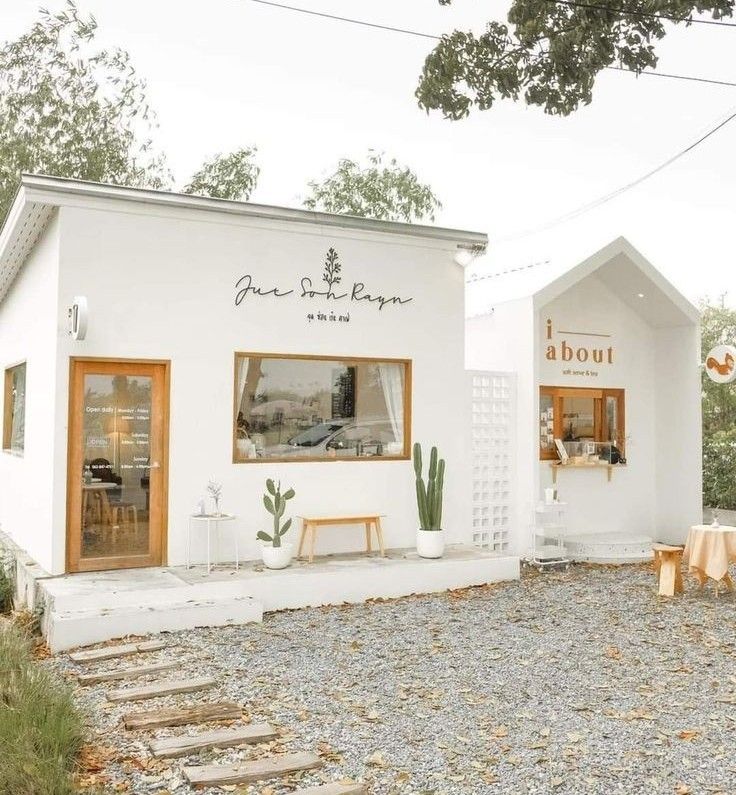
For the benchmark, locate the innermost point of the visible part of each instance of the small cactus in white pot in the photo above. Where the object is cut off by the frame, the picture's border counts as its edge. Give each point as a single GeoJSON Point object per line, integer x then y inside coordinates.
{"type": "Point", "coordinates": [276, 553]}
{"type": "Point", "coordinates": [430, 535]}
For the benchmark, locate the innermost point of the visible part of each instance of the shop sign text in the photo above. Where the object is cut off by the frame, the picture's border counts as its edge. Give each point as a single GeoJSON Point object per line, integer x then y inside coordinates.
{"type": "Point", "coordinates": [329, 288]}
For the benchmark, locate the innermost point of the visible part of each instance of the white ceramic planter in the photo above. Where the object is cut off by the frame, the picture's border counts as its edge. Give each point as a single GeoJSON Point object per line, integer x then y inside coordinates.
{"type": "Point", "coordinates": [277, 557]}
{"type": "Point", "coordinates": [430, 543]}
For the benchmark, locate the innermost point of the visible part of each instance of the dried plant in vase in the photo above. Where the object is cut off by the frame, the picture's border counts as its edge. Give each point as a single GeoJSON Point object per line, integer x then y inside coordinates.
{"type": "Point", "coordinates": [214, 489]}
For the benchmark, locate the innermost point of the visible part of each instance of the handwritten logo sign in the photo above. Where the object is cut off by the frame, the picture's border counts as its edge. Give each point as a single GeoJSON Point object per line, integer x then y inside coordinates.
{"type": "Point", "coordinates": [720, 364]}
{"type": "Point", "coordinates": [329, 288]}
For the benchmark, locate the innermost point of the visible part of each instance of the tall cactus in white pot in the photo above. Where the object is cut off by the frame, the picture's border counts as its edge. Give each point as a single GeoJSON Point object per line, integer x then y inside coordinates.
{"type": "Point", "coordinates": [430, 535]}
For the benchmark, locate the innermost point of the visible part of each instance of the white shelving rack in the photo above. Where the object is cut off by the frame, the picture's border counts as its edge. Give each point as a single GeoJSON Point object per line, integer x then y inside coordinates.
{"type": "Point", "coordinates": [548, 528]}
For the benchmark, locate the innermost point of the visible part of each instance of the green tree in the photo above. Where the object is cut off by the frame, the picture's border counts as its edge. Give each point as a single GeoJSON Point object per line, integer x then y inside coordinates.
{"type": "Point", "coordinates": [231, 176]}
{"type": "Point", "coordinates": [70, 110]}
{"type": "Point", "coordinates": [719, 412]}
{"type": "Point", "coordinates": [374, 190]}
{"type": "Point", "coordinates": [551, 52]}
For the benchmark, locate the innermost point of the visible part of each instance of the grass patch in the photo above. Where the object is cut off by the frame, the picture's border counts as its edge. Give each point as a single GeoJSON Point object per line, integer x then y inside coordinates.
{"type": "Point", "coordinates": [6, 588]}
{"type": "Point", "coordinates": [41, 730]}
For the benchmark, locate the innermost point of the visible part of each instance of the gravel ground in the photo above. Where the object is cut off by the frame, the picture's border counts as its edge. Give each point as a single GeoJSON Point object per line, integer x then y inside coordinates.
{"type": "Point", "coordinates": [575, 682]}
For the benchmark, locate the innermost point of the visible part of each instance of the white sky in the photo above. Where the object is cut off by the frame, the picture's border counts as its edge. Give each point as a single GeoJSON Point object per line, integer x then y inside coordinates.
{"type": "Point", "coordinates": [306, 91]}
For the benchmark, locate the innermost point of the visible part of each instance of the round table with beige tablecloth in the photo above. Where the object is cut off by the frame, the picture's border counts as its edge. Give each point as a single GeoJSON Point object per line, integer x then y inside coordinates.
{"type": "Point", "coordinates": [709, 550]}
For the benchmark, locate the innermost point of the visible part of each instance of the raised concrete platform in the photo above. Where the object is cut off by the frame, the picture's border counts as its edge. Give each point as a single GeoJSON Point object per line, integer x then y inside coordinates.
{"type": "Point", "coordinates": [87, 608]}
{"type": "Point", "coordinates": [609, 547]}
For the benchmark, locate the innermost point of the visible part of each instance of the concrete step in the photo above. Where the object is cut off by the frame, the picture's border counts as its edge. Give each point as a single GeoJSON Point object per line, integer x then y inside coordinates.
{"type": "Point", "coordinates": [83, 626]}
{"type": "Point", "coordinates": [609, 547]}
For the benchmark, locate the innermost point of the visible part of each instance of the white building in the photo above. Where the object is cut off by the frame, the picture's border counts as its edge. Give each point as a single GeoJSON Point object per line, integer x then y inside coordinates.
{"type": "Point", "coordinates": [606, 351]}
{"type": "Point", "coordinates": [232, 342]}
{"type": "Point", "coordinates": [151, 342]}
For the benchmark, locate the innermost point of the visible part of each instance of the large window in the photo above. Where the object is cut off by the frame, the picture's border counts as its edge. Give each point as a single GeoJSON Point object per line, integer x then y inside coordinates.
{"type": "Point", "coordinates": [297, 408]}
{"type": "Point", "coordinates": [579, 416]}
{"type": "Point", "coordinates": [14, 409]}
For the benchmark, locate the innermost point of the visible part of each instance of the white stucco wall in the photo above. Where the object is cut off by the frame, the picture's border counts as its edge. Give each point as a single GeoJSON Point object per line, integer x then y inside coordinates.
{"type": "Point", "coordinates": [28, 319]}
{"type": "Point", "coordinates": [628, 502]}
{"type": "Point", "coordinates": [658, 493]}
{"type": "Point", "coordinates": [679, 432]}
{"type": "Point", "coordinates": [160, 285]}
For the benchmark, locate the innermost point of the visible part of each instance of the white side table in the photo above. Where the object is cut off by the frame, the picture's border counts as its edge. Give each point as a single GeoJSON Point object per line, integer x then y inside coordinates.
{"type": "Point", "coordinates": [210, 519]}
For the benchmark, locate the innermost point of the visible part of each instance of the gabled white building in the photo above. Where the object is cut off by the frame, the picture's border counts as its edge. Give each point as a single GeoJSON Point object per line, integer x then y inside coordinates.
{"type": "Point", "coordinates": [605, 351]}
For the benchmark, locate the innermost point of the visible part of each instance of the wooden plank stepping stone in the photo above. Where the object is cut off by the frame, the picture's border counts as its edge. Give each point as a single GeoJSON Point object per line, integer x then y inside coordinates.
{"type": "Point", "coordinates": [247, 772]}
{"type": "Point", "coordinates": [168, 687]}
{"type": "Point", "coordinates": [171, 747]}
{"type": "Point", "coordinates": [126, 673]}
{"type": "Point", "coordinates": [109, 652]}
{"type": "Point", "coordinates": [204, 713]}
{"type": "Point", "coordinates": [333, 789]}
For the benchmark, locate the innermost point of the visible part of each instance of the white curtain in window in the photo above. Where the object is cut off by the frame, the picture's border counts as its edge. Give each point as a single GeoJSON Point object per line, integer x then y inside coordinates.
{"type": "Point", "coordinates": [242, 376]}
{"type": "Point", "coordinates": [392, 383]}
{"type": "Point", "coordinates": [18, 426]}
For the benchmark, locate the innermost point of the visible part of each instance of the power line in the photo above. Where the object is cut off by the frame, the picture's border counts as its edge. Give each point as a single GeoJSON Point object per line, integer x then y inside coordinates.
{"type": "Point", "coordinates": [483, 276]}
{"type": "Point", "coordinates": [347, 19]}
{"type": "Point", "coordinates": [674, 77]}
{"type": "Point", "coordinates": [592, 205]}
{"type": "Point", "coordinates": [407, 32]}
{"type": "Point", "coordinates": [644, 14]}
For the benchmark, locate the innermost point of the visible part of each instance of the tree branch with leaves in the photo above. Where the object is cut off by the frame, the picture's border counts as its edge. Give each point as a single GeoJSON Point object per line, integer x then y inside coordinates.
{"type": "Point", "coordinates": [70, 110]}
{"type": "Point", "coordinates": [550, 53]}
{"type": "Point", "coordinates": [375, 189]}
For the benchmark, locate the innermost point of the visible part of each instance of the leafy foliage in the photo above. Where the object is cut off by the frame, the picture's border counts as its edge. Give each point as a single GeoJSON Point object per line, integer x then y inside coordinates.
{"type": "Point", "coordinates": [275, 504]}
{"type": "Point", "coordinates": [41, 730]}
{"type": "Point", "coordinates": [71, 111]}
{"type": "Point", "coordinates": [719, 412]}
{"type": "Point", "coordinates": [375, 190]}
{"type": "Point", "coordinates": [233, 176]}
{"type": "Point", "coordinates": [6, 586]}
{"type": "Point", "coordinates": [551, 52]}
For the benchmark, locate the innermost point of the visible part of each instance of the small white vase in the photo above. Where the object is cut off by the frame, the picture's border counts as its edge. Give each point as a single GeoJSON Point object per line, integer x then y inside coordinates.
{"type": "Point", "coordinates": [277, 557]}
{"type": "Point", "coordinates": [430, 543]}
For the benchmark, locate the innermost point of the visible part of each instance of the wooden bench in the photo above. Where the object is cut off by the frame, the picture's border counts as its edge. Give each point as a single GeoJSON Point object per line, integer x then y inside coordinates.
{"type": "Point", "coordinates": [667, 565]}
{"type": "Point", "coordinates": [311, 523]}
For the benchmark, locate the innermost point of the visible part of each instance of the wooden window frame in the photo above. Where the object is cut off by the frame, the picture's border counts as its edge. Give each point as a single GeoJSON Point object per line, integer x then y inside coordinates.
{"type": "Point", "coordinates": [404, 456]}
{"type": "Point", "coordinates": [8, 410]}
{"type": "Point", "coordinates": [557, 393]}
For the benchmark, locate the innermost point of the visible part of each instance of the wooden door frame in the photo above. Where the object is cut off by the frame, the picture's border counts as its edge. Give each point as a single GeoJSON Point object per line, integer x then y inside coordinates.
{"type": "Point", "coordinates": [72, 479]}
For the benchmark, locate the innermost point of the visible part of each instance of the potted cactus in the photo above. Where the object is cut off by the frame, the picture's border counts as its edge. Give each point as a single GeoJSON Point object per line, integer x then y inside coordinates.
{"type": "Point", "coordinates": [276, 553]}
{"type": "Point", "coordinates": [430, 535]}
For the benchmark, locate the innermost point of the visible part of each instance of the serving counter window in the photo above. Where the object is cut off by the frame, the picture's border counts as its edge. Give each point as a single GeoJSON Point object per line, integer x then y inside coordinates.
{"type": "Point", "coordinates": [14, 409]}
{"type": "Point", "coordinates": [320, 408]}
{"type": "Point", "coordinates": [578, 417]}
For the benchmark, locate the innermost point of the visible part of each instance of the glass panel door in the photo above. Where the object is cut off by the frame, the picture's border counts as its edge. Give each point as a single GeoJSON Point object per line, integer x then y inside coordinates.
{"type": "Point", "coordinates": [117, 465]}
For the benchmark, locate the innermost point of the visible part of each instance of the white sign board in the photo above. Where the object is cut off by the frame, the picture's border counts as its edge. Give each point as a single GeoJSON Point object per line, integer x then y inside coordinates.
{"type": "Point", "coordinates": [720, 364]}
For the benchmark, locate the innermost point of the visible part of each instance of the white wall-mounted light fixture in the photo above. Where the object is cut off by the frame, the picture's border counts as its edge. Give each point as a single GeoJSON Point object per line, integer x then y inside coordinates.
{"type": "Point", "coordinates": [77, 314]}
{"type": "Point", "coordinates": [467, 254]}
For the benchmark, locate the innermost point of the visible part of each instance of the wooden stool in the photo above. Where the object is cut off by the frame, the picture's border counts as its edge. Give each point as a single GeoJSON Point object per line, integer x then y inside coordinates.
{"type": "Point", "coordinates": [667, 565]}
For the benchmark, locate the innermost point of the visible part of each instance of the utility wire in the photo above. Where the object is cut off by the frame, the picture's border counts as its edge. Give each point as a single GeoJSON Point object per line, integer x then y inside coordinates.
{"type": "Point", "coordinates": [408, 32]}
{"type": "Point", "coordinates": [630, 12]}
{"type": "Point", "coordinates": [592, 205]}
{"type": "Point", "coordinates": [585, 207]}
{"type": "Point", "coordinates": [347, 19]}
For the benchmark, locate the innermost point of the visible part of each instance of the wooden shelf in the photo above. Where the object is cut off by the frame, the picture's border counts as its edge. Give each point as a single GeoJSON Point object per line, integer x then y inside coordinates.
{"type": "Point", "coordinates": [607, 467]}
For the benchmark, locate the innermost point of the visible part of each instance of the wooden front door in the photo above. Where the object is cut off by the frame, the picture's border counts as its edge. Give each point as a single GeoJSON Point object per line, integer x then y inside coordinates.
{"type": "Point", "coordinates": [117, 478]}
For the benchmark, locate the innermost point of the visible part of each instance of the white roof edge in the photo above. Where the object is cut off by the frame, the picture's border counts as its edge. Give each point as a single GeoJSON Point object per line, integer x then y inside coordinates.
{"type": "Point", "coordinates": [52, 190]}
{"type": "Point", "coordinates": [595, 261]}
